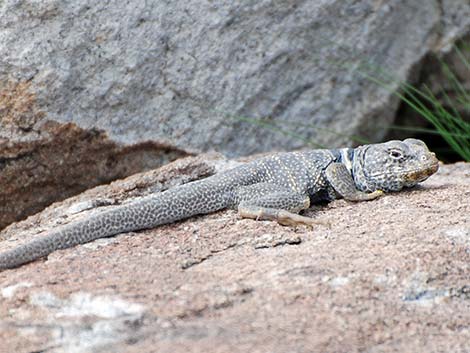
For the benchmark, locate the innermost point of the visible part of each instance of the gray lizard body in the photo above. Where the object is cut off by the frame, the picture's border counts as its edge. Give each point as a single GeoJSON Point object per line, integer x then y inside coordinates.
{"type": "Point", "coordinates": [276, 187]}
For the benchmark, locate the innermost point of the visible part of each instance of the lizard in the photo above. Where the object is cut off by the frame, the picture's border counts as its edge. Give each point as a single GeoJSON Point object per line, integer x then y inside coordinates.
{"type": "Point", "coordinates": [276, 187]}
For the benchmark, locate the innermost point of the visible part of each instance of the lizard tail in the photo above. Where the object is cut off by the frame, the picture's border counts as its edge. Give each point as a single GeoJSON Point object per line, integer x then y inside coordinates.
{"type": "Point", "coordinates": [200, 197]}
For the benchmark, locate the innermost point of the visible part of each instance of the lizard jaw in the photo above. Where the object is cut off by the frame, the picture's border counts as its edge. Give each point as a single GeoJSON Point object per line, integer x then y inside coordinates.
{"type": "Point", "coordinates": [423, 174]}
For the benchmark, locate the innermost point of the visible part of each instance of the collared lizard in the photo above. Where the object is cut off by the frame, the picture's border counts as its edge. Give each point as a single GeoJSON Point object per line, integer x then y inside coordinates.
{"type": "Point", "coordinates": [276, 187]}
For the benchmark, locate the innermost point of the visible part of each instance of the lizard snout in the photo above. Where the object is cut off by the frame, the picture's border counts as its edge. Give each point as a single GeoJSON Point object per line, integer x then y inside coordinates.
{"type": "Point", "coordinates": [430, 167]}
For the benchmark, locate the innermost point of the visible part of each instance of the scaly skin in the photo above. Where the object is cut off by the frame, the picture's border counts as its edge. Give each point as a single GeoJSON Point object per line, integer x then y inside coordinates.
{"type": "Point", "coordinates": [275, 188]}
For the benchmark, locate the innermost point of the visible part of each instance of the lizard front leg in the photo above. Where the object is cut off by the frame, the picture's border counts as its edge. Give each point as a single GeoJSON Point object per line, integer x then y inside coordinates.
{"type": "Point", "coordinates": [341, 180]}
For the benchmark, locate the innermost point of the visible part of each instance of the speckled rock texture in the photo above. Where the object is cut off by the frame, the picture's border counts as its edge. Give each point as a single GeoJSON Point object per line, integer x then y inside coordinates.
{"type": "Point", "coordinates": [160, 77]}
{"type": "Point", "coordinates": [389, 275]}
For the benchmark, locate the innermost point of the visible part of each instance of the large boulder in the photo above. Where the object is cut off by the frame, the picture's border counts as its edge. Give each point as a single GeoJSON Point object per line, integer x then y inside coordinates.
{"type": "Point", "coordinates": [186, 75]}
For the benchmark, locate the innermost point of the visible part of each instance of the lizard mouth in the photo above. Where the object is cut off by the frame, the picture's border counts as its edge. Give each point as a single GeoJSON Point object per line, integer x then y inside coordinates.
{"type": "Point", "coordinates": [423, 174]}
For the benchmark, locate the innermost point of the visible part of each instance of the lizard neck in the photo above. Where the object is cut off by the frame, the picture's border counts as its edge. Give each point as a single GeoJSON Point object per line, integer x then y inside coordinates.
{"type": "Point", "coordinates": [359, 170]}
{"type": "Point", "coordinates": [346, 156]}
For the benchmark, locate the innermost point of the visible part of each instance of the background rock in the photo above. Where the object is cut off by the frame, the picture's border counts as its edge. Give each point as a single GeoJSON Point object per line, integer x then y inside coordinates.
{"type": "Point", "coordinates": [390, 275]}
{"type": "Point", "coordinates": [173, 73]}
{"type": "Point", "coordinates": [42, 161]}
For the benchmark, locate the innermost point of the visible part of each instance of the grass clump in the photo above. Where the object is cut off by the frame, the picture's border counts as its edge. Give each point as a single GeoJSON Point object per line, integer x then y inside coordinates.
{"type": "Point", "coordinates": [446, 114]}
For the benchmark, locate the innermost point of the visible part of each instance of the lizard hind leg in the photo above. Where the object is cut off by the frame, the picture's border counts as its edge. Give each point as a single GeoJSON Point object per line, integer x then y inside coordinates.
{"type": "Point", "coordinates": [262, 202]}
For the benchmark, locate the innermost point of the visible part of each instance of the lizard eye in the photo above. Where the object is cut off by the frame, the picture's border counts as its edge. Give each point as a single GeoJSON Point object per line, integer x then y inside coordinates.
{"type": "Point", "coordinates": [395, 154]}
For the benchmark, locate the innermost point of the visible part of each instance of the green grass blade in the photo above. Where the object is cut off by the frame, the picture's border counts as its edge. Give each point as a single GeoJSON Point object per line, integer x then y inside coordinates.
{"type": "Point", "coordinates": [462, 57]}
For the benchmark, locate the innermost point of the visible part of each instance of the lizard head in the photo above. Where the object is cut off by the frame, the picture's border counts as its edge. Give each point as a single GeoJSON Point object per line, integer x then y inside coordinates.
{"type": "Point", "coordinates": [393, 165]}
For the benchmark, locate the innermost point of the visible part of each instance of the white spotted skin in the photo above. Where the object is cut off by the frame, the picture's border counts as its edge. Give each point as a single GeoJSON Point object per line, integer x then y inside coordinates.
{"type": "Point", "coordinates": [298, 172]}
{"type": "Point", "coordinates": [287, 181]}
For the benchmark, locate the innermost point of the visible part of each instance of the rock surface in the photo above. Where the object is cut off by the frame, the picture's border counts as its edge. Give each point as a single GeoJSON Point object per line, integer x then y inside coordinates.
{"type": "Point", "coordinates": [390, 275]}
{"type": "Point", "coordinates": [142, 79]}
{"type": "Point", "coordinates": [43, 161]}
